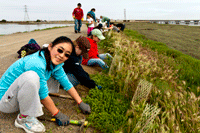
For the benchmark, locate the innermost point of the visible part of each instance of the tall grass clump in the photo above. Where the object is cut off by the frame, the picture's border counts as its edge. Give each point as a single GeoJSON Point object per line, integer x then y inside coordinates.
{"type": "Point", "coordinates": [177, 106]}
{"type": "Point", "coordinates": [187, 66]}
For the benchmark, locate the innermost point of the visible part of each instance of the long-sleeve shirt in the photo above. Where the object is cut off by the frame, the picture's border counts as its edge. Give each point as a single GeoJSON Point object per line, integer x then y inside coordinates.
{"type": "Point", "coordinates": [37, 63]}
{"type": "Point", "coordinates": [93, 52]}
{"type": "Point", "coordinates": [93, 15]}
{"type": "Point", "coordinates": [78, 13]}
{"type": "Point", "coordinates": [73, 66]}
{"type": "Point", "coordinates": [105, 19]}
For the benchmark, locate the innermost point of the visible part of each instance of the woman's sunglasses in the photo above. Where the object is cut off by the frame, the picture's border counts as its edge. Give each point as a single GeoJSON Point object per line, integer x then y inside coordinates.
{"type": "Point", "coordinates": [61, 51]}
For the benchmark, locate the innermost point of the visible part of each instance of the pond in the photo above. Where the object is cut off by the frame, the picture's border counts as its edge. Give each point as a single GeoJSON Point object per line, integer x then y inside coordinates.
{"type": "Point", "coordinates": [13, 28]}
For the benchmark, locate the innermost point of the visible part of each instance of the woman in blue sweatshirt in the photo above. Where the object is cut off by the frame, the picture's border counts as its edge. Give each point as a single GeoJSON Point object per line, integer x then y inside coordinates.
{"type": "Point", "coordinates": [23, 87]}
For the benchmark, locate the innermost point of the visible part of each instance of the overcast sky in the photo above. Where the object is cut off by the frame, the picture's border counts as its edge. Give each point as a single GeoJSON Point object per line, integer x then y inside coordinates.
{"type": "Point", "coordinates": [114, 9]}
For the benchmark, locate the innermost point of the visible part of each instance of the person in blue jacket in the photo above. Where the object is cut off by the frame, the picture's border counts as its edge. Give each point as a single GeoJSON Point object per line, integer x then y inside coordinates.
{"type": "Point", "coordinates": [92, 13]}
{"type": "Point", "coordinates": [23, 87]}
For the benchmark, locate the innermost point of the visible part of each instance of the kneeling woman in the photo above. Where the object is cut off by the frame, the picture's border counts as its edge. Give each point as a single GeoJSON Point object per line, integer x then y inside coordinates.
{"type": "Point", "coordinates": [23, 86]}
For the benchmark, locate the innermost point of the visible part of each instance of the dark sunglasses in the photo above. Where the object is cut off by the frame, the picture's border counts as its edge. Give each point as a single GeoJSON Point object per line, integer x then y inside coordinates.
{"type": "Point", "coordinates": [61, 51]}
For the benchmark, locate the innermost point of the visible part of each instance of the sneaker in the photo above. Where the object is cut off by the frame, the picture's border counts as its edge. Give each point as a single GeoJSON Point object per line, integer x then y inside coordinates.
{"type": "Point", "coordinates": [76, 31]}
{"type": "Point", "coordinates": [79, 32]}
{"type": "Point", "coordinates": [30, 124]}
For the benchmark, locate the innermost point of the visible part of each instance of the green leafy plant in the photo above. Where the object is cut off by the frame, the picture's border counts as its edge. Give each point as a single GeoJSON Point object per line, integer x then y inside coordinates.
{"type": "Point", "coordinates": [108, 109]}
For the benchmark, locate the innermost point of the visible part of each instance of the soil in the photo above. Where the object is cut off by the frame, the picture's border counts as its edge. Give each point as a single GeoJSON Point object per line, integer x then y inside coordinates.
{"type": "Point", "coordinates": [9, 45]}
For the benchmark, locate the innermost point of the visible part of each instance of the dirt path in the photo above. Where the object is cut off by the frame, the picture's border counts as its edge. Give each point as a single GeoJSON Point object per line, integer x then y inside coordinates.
{"type": "Point", "coordinates": [9, 45]}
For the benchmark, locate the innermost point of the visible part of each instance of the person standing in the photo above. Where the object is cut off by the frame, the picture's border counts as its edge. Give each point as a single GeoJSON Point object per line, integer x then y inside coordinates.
{"type": "Point", "coordinates": [90, 22]}
{"type": "Point", "coordinates": [104, 19]}
{"type": "Point", "coordinates": [77, 14]}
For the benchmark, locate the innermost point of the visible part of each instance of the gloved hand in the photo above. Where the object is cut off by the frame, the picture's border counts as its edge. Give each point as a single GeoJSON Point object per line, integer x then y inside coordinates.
{"type": "Point", "coordinates": [73, 17]}
{"type": "Point", "coordinates": [99, 87]}
{"type": "Point", "coordinates": [84, 107]}
{"type": "Point", "coordinates": [61, 119]}
{"type": "Point", "coordinates": [82, 19]}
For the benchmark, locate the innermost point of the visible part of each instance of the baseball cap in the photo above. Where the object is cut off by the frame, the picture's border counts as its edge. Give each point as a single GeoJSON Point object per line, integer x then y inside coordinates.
{"type": "Point", "coordinates": [84, 45]}
{"type": "Point", "coordinates": [98, 33]}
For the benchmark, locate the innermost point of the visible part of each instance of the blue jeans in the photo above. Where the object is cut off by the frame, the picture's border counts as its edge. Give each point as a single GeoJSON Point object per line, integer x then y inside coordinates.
{"type": "Point", "coordinates": [108, 23]}
{"type": "Point", "coordinates": [99, 61]}
{"type": "Point", "coordinates": [72, 79]}
{"type": "Point", "coordinates": [78, 23]}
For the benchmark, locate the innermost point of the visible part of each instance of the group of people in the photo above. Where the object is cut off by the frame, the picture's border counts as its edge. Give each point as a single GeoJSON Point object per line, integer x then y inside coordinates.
{"type": "Point", "coordinates": [24, 85]}
{"type": "Point", "coordinates": [24, 88]}
{"type": "Point", "coordinates": [93, 22]}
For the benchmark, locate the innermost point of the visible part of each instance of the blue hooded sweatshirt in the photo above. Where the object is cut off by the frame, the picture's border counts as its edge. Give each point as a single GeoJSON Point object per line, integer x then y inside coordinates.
{"type": "Point", "coordinates": [37, 63]}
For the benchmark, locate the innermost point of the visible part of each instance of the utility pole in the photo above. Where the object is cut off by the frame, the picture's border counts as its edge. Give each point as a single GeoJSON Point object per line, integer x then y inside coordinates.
{"type": "Point", "coordinates": [125, 15]}
{"type": "Point", "coordinates": [26, 17]}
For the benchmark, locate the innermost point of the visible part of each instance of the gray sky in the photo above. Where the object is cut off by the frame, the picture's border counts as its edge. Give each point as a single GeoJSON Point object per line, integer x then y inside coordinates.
{"type": "Point", "coordinates": [114, 9]}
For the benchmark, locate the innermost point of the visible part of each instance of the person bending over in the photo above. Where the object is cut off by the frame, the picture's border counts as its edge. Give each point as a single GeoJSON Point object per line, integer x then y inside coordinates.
{"type": "Point", "coordinates": [73, 68]}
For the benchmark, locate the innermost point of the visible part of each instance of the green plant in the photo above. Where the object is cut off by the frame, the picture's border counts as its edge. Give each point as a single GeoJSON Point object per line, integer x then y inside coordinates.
{"type": "Point", "coordinates": [188, 67]}
{"type": "Point", "coordinates": [3, 20]}
{"type": "Point", "coordinates": [179, 105]}
{"type": "Point", "coordinates": [108, 109]}
{"type": "Point", "coordinates": [38, 20]}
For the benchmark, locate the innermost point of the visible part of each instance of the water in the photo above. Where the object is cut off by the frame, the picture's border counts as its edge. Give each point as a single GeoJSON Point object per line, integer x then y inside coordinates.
{"type": "Point", "coordinates": [13, 28]}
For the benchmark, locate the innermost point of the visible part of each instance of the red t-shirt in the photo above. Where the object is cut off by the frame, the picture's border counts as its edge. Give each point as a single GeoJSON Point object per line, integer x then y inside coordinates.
{"type": "Point", "coordinates": [93, 52]}
{"type": "Point", "coordinates": [78, 13]}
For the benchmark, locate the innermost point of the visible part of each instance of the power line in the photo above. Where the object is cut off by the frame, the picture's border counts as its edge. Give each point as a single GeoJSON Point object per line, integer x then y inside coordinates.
{"type": "Point", "coordinates": [125, 14]}
{"type": "Point", "coordinates": [26, 17]}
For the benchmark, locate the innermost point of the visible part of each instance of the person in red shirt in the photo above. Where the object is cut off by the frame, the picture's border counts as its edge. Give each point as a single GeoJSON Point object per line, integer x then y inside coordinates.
{"type": "Point", "coordinates": [94, 57]}
{"type": "Point", "coordinates": [77, 14]}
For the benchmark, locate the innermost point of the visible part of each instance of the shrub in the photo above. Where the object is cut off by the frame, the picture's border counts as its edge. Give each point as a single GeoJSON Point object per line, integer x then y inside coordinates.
{"type": "Point", "coordinates": [3, 20]}
{"type": "Point", "coordinates": [38, 20]}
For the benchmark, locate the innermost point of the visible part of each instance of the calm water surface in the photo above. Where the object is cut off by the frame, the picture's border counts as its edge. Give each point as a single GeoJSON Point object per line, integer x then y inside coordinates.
{"type": "Point", "coordinates": [13, 28]}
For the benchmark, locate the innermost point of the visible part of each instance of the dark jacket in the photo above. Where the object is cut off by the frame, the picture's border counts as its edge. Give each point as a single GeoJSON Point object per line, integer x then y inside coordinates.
{"type": "Point", "coordinates": [73, 66]}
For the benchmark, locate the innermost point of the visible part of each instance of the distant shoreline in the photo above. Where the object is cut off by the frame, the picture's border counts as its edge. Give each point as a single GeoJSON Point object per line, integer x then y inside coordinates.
{"type": "Point", "coordinates": [42, 22]}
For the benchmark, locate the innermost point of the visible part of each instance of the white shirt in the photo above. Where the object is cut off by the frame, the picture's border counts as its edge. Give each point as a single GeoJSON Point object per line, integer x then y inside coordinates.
{"type": "Point", "coordinates": [89, 21]}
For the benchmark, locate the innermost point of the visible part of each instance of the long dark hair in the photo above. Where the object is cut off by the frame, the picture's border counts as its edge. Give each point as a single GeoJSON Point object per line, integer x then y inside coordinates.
{"type": "Point", "coordinates": [58, 40]}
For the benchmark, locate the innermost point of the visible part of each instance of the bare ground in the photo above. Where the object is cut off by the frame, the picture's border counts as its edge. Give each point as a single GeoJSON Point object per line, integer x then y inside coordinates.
{"type": "Point", "coordinates": [9, 45]}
